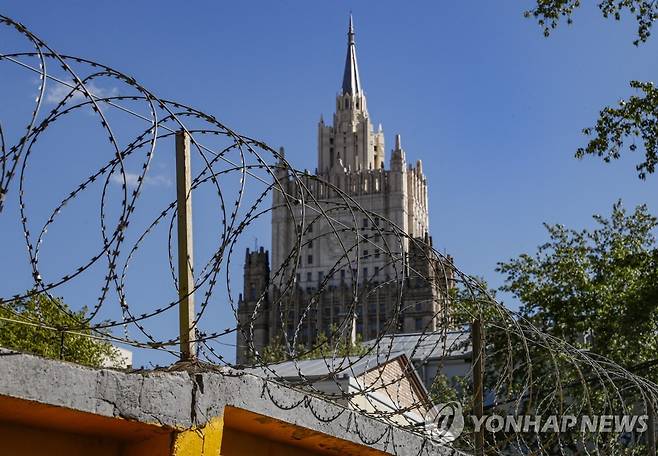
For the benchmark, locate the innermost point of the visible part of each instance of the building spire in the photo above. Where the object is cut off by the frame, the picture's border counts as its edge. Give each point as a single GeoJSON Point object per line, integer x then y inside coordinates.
{"type": "Point", "coordinates": [351, 82]}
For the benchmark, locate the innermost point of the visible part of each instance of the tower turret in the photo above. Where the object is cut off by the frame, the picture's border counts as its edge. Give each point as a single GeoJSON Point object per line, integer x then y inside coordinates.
{"type": "Point", "coordinates": [351, 137]}
{"type": "Point", "coordinates": [253, 305]}
{"type": "Point", "coordinates": [398, 157]}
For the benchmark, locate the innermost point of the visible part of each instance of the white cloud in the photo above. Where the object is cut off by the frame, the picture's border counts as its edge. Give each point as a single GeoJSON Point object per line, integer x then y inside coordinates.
{"type": "Point", "coordinates": [132, 179]}
{"type": "Point", "coordinates": [56, 92]}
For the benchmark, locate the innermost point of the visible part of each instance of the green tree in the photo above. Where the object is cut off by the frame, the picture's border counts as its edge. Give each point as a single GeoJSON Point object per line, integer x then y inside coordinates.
{"type": "Point", "coordinates": [634, 121]}
{"type": "Point", "coordinates": [47, 327]}
{"type": "Point", "coordinates": [589, 291]}
{"type": "Point", "coordinates": [549, 13]}
{"type": "Point", "coordinates": [602, 282]}
{"type": "Point", "coordinates": [323, 347]}
{"type": "Point", "coordinates": [471, 300]}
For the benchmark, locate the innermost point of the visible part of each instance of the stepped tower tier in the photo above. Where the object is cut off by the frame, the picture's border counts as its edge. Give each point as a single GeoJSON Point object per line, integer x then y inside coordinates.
{"type": "Point", "coordinates": [350, 143]}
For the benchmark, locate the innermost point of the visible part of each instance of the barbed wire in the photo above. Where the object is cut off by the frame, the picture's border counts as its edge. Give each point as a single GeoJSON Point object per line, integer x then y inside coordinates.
{"type": "Point", "coordinates": [528, 372]}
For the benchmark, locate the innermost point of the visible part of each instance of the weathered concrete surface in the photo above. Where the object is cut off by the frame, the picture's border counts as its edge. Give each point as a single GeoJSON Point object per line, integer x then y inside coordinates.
{"type": "Point", "coordinates": [161, 398]}
{"type": "Point", "coordinates": [181, 400]}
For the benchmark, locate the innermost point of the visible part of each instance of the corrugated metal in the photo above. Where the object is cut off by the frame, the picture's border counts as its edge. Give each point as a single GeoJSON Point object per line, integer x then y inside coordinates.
{"type": "Point", "coordinates": [426, 346]}
{"type": "Point", "coordinates": [323, 367]}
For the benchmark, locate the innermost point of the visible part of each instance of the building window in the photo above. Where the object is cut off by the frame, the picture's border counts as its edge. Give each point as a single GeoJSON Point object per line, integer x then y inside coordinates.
{"type": "Point", "coordinates": [376, 221]}
{"type": "Point", "coordinates": [309, 259]}
{"type": "Point", "coordinates": [419, 323]}
{"type": "Point", "coordinates": [365, 223]}
{"type": "Point", "coordinates": [331, 140]}
{"type": "Point", "coordinates": [342, 275]}
{"type": "Point", "coordinates": [310, 244]}
{"type": "Point", "coordinates": [377, 253]}
{"type": "Point", "coordinates": [320, 276]}
{"type": "Point", "coordinates": [365, 273]}
{"type": "Point", "coordinates": [376, 270]}
{"type": "Point", "coordinates": [309, 276]}
{"type": "Point", "coordinates": [365, 254]}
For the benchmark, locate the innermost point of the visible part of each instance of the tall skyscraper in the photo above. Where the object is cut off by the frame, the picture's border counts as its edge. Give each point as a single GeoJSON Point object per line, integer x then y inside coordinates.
{"type": "Point", "coordinates": [349, 272]}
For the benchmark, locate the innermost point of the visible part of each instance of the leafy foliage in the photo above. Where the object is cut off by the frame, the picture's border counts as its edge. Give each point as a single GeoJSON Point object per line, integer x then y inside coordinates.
{"type": "Point", "coordinates": [549, 13]}
{"type": "Point", "coordinates": [454, 389]}
{"type": "Point", "coordinates": [595, 290]}
{"type": "Point", "coordinates": [43, 331]}
{"type": "Point", "coordinates": [323, 347]}
{"type": "Point", "coordinates": [471, 301]}
{"type": "Point", "coordinates": [602, 283]}
{"type": "Point", "coordinates": [636, 117]}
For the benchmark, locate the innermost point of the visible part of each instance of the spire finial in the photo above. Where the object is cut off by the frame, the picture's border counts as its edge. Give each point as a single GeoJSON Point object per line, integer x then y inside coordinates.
{"type": "Point", "coordinates": [350, 31]}
{"type": "Point", "coordinates": [398, 143]}
{"type": "Point", "coordinates": [351, 82]}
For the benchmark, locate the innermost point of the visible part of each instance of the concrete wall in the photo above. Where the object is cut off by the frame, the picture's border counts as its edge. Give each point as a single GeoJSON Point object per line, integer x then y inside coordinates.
{"type": "Point", "coordinates": [54, 408]}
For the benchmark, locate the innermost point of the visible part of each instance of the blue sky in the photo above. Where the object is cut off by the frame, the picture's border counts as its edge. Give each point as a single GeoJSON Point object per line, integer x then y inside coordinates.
{"type": "Point", "coordinates": [492, 107]}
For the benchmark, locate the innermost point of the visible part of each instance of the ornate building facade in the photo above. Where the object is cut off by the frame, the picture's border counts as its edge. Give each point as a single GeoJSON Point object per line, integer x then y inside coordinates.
{"type": "Point", "coordinates": [351, 272]}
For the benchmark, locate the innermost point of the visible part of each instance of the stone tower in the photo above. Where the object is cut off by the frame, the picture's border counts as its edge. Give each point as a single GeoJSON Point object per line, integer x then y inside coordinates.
{"type": "Point", "coordinates": [254, 301]}
{"type": "Point", "coordinates": [351, 158]}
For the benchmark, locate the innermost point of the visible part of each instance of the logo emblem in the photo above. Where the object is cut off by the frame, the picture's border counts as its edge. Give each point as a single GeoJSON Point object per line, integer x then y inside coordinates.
{"type": "Point", "coordinates": [445, 422]}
